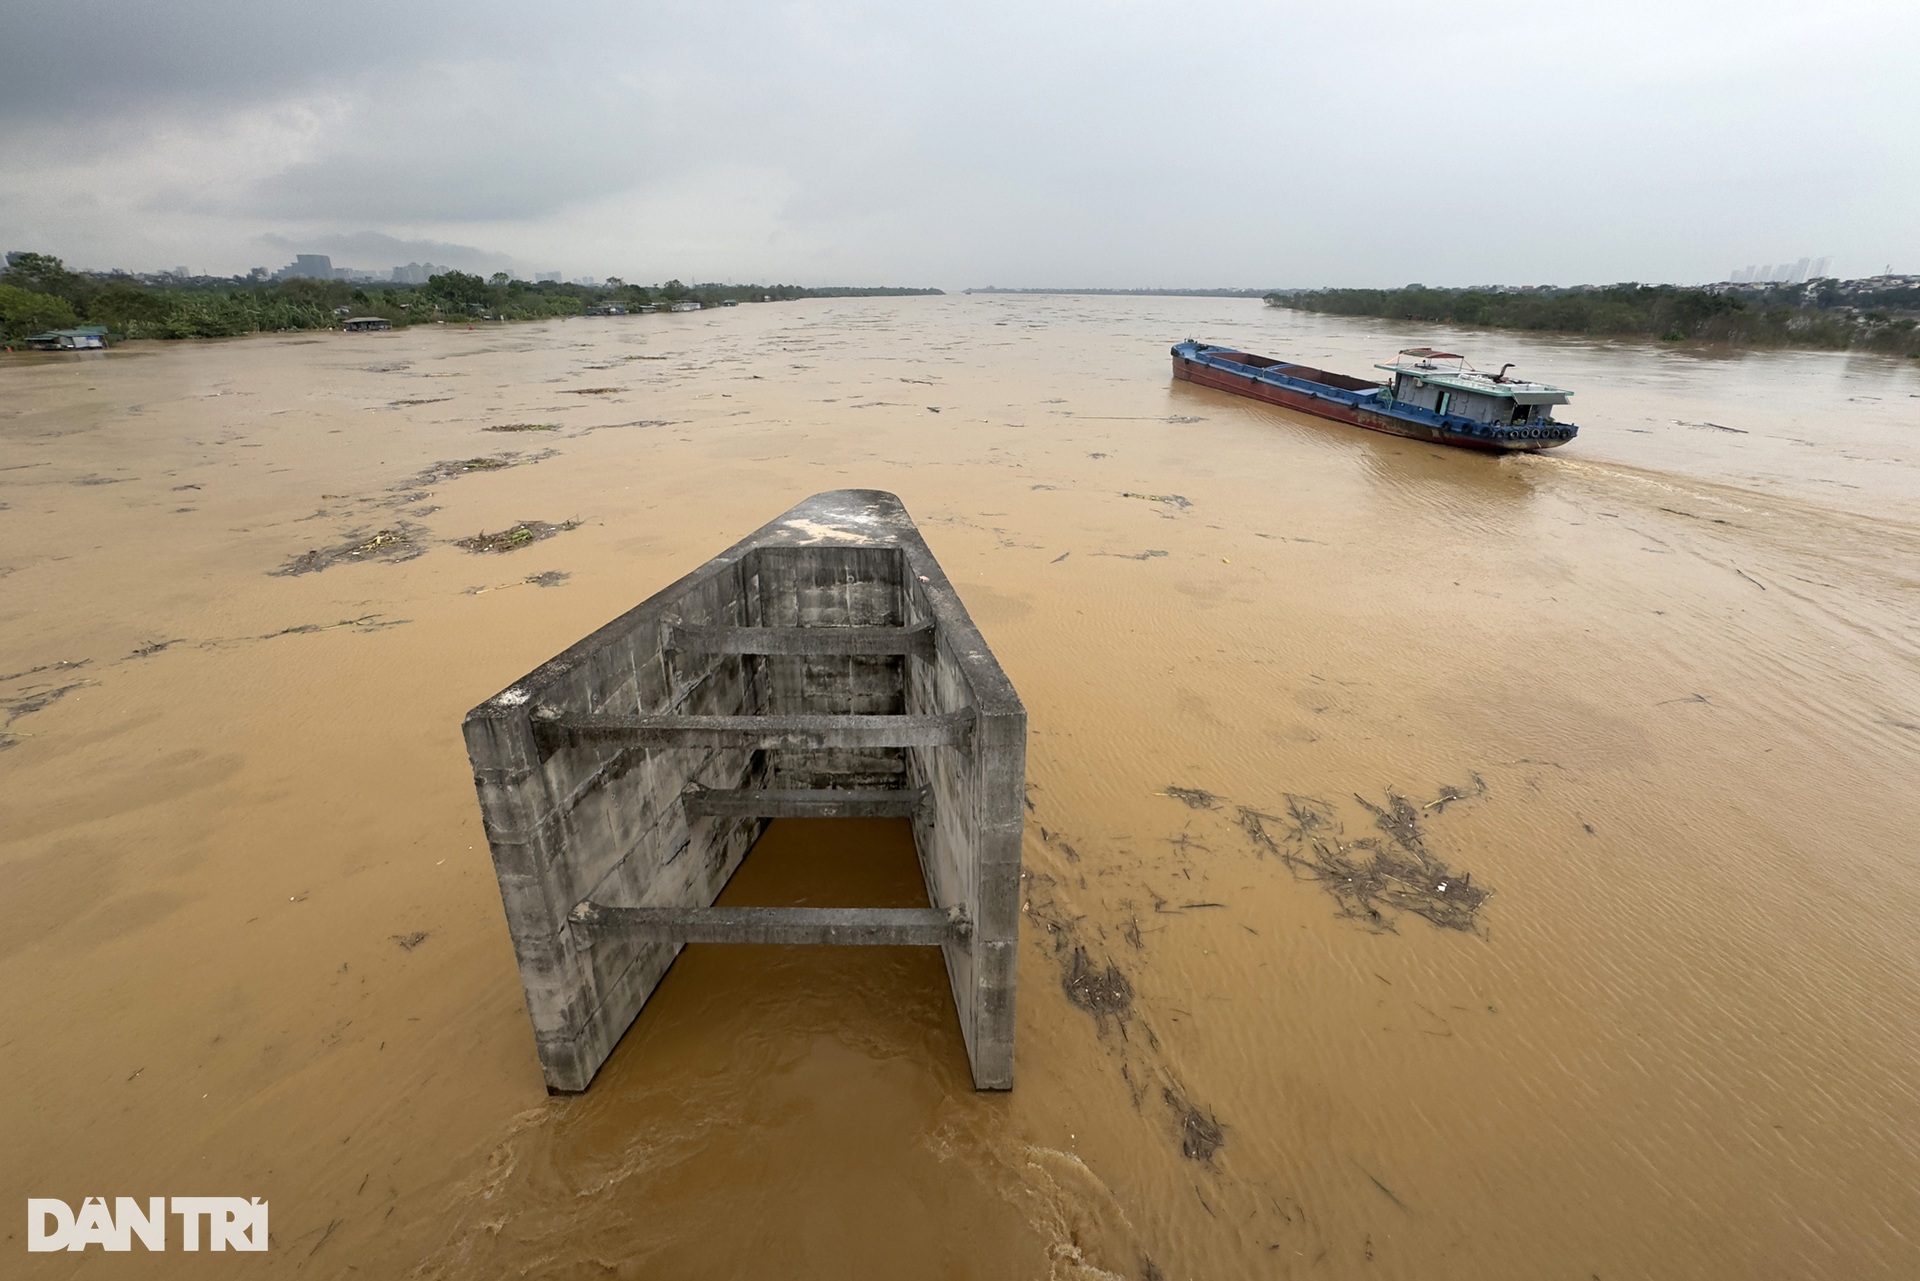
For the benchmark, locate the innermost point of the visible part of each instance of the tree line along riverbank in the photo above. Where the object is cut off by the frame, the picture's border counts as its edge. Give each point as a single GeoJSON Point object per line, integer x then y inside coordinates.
{"type": "Point", "coordinates": [1880, 314]}
{"type": "Point", "coordinates": [38, 292]}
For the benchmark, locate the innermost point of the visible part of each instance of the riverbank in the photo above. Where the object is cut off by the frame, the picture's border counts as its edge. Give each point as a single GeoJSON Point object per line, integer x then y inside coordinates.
{"type": "Point", "coordinates": [1825, 315]}
{"type": "Point", "coordinates": [38, 293]}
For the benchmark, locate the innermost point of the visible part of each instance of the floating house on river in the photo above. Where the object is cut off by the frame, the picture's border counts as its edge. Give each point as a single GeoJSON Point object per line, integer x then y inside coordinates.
{"type": "Point", "coordinates": [82, 338]}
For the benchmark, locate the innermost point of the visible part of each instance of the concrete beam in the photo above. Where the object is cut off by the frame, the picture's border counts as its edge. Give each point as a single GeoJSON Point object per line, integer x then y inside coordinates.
{"type": "Point", "coordinates": [949, 729]}
{"type": "Point", "coordinates": [828, 802]}
{"type": "Point", "coordinates": [868, 926]}
{"type": "Point", "coordinates": [823, 640]}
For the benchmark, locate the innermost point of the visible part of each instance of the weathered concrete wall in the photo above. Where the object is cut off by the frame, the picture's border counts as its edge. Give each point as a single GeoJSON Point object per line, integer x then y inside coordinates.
{"type": "Point", "coordinates": [573, 819]}
{"type": "Point", "coordinates": [969, 835]}
{"type": "Point", "coordinates": [569, 822]}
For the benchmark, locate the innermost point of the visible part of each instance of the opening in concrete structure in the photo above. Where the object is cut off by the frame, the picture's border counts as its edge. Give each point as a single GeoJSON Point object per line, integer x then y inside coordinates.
{"type": "Point", "coordinates": [822, 667]}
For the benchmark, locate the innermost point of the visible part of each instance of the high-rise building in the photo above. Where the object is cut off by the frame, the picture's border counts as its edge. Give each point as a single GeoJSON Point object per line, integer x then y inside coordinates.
{"type": "Point", "coordinates": [307, 267]}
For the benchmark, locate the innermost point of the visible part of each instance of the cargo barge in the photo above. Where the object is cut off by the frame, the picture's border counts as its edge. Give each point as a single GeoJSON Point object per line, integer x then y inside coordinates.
{"type": "Point", "coordinates": [1424, 399]}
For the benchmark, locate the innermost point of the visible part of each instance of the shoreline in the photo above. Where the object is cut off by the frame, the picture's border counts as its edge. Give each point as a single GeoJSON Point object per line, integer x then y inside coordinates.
{"type": "Point", "coordinates": [1878, 315]}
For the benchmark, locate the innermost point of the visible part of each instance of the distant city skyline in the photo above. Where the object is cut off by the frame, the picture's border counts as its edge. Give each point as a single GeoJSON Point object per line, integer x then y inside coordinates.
{"type": "Point", "coordinates": [1782, 273]}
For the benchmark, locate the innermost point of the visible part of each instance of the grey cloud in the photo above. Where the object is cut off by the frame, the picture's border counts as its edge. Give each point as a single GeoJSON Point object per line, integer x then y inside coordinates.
{"type": "Point", "coordinates": [79, 61]}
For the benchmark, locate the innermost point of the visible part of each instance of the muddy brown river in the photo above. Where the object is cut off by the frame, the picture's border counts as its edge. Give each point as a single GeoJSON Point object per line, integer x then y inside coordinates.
{"type": "Point", "coordinates": [1649, 706]}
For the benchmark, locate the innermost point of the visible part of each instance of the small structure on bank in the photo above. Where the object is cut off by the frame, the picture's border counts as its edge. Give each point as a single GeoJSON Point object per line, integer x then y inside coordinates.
{"type": "Point", "coordinates": [822, 667]}
{"type": "Point", "coordinates": [82, 338]}
{"type": "Point", "coordinates": [366, 324]}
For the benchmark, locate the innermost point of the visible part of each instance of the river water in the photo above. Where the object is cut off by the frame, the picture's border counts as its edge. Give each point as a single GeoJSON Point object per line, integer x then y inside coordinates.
{"type": "Point", "coordinates": [1657, 695]}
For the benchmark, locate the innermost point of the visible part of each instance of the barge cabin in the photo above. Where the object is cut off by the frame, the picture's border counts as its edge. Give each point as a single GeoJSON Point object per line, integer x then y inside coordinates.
{"type": "Point", "coordinates": [1419, 379]}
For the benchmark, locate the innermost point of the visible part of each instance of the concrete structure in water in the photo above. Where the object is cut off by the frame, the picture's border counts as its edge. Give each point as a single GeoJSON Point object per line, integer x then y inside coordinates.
{"type": "Point", "coordinates": [822, 667]}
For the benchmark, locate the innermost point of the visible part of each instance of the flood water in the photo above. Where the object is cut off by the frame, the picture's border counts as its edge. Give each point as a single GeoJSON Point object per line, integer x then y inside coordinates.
{"type": "Point", "coordinates": [1657, 695]}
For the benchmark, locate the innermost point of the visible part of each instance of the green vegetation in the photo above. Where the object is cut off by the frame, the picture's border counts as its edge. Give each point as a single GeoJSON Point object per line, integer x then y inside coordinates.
{"type": "Point", "coordinates": [1830, 314]}
{"type": "Point", "coordinates": [38, 292]}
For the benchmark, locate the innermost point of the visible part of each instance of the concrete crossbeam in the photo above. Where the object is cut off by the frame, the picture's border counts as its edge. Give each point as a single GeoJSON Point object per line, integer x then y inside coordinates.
{"type": "Point", "coordinates": [804, 731]}
{"type": "Point", "coordinates": [842, 926]}
{"type": "Point", "coordinates": [917, 639]}
{"type": "Point", "coordinates": [802, 802]}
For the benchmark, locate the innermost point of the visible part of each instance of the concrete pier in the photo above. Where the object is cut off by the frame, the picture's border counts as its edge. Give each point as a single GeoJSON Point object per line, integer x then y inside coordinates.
{"type": "Point", "coordinates": [821, 667]}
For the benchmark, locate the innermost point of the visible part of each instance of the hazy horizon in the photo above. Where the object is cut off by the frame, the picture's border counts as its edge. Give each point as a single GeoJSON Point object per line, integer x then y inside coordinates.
{"type": "Point", "coordinates": [1051, 145]}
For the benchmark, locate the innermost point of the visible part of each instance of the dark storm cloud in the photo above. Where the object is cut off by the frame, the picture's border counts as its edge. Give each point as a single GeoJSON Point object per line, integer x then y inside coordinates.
{"type": "Point", "coordinates": [76, 60]}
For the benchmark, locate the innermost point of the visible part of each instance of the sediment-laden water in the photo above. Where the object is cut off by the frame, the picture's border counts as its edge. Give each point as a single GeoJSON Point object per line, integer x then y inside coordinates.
{"type": "Point", "coordinates": [1438, 866]}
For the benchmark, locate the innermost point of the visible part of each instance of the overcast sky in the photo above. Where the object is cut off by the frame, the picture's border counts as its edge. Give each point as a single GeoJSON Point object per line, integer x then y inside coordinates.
{"type": "Point", "coordinates": [1013, 143]}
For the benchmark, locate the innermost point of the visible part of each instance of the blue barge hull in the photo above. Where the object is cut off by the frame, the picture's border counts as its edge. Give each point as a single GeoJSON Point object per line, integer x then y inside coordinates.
{"type": "Point", "coordinates": [1357, 401]}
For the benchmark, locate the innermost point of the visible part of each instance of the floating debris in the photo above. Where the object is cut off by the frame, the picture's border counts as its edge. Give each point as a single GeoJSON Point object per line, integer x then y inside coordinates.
{"type": "Point", "coordinates": [400, 543]}
{"type": "Point", "coordinates": [524, 427]}
{"type": "Point", "coordinates": [524, 534]}
{"type": "Point", "coordinates": [1194, 798]}
{"type": "Point", "coordinates": [1254, 824]}
{"type": "Point", "coordinates": [1448, 795]}
{"type": "Point", "coordinates": [1098, 992]}
{"type": "Point", "coordinates": [1200, 1132]}
{"type": "Point", "coordinates": [408, 942]}
{"type": "Point", "coordinates": [1172, 500]}
{"type": "Point", "coordinates": [546, 578]}
{"type": "Point", "coordinates": [1399, 874]}
{"type": "Point", "coordinates": [39, 702]}
{"type": "Point", "coordinates": [450, 469]}
{"type": "Point", "coordinates": [592, 391]}
{"type": "Point", "coordinates": [364, 623]}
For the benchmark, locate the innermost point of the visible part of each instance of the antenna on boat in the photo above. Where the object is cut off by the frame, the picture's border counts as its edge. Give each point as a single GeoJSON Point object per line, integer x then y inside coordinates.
{"type": "Point", "coordinates": [1502, 375]}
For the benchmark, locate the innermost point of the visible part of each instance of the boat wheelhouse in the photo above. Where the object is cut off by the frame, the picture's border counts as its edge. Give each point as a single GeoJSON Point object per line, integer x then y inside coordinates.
{"type": "Point", "coordinates": [1427, 398]}
{"type": "Point", "coordinates": [1420, 378]}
